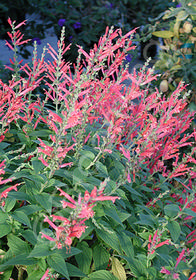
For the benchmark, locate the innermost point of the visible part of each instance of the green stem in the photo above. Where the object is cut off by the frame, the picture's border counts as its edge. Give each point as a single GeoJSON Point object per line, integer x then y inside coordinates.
{"type": "Point", "coordinates": [20, 273]}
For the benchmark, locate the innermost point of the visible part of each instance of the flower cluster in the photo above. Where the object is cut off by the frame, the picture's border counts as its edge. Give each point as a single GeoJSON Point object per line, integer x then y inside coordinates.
{"type": "Point", "coordinates": [74, 225]}
{"type": "Point", "coordinates": [154, 242]}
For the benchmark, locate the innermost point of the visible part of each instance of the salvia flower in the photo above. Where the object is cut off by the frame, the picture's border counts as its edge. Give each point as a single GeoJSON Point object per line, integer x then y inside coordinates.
{"type": "Point", "coordinates": [74, 226]}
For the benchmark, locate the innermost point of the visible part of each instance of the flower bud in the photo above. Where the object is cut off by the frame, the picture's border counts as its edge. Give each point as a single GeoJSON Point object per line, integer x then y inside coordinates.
{"type": "Point", "coordinates": [187, 27]}
{"type": "Point", "coordinates": [163, 86]}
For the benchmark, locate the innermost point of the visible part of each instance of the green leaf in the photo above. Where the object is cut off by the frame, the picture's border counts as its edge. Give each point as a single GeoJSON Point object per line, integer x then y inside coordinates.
{"type": "Point", "coordinates": [101, 257]}
{"type": "Point", "coordinates": [19, 196]}
{"type": "Point", "coordinates": [174, 229]}
{"type": "Point", "coordinates": [74, 271]}
{"type": "Point", "coordinates": [3, 217]}
{"type": "Point", "coordinates": [135, 266]}
{"type": "Point", "coordinates": [21, 259]}
{"type": "Point", "coordinates": [57, 262]}
{"type": "Point", "coordinates": [101, 275]}
{"type": "Point", "coordinates": [109, 238]}
{"type": "Point", "coordinates": [79, 175]}
{"type": "Point", "coordinates": [29, 209]}
{"type": "Point", "coordinates": [111, 212]}
{"type": "Point", "coordinates": [30, 236]}
{"type": "Point", "coordinates": [17, 245]}
{"type": "Point", "coordinates": [101, 169]}
{"type": "Point", "coordinates": [85, 257]}
{"type": "Point", "coordinates": [171, 210]}
{"type": "Point", "coordinates": [37, 165]}
{"type": "Point", "coordinates": [45, 200]}
{"type": "Point", "coordinates": [5, 228]}
{"type": "Point", "coordinates": [118, 269]}
{"type": "Point", "coordinates": [126, 243]}
{"type": "Point", "coordinates": [163, 34]}
{"type": "Point", "coordinates": [41, 250]}
{"type": "Point", "coordinates": [67, 253]}
{"type": "Point", "coordinates": [86, 159]}
{"type": "Point", "coordinates": [21, 217]}
{"type": "Point", "coordinates": [9, 204]}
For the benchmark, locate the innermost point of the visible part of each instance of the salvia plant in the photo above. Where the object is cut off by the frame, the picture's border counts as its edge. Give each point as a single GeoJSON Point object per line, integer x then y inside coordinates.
{"type": "Point", "coordinates": [97, 168]}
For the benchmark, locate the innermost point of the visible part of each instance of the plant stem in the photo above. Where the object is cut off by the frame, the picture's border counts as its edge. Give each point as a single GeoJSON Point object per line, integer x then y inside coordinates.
{"type": "Point", "coordinates": [20, 273]}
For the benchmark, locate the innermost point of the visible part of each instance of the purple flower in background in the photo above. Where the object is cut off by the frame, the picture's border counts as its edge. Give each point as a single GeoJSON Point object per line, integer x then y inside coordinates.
{"type": "Point", "coordinates": [128, 58]}
{"type": "Point", "coordinates": [61, 21]}
{"type": "Point", "coordinates": [109, 5]}
{"type": "Point", "coordinates": [77, 25]}
{"type": "Point", "coordinates": [37, 40]}
{"type": "Point", "coordinates": [179, 5]}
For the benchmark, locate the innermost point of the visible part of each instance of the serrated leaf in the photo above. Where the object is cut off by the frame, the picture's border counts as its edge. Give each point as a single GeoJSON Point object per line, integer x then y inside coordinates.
{"type": "Point", "coordinates": [101, 257]}
{"type": "Point", "coordinates": [19, 196]}
{"type": "Point", "coordinates": [171, 210]}
{"type": "Point", "coordinates": [85, 257]}
{"type": "Point", "coordinates": [111, 212]}
{"type": "Point", "coordinates": [174, 229]}
{"type": "Point", "coordinates": [126, 243]}
{"type": "Point", "coordinates": [101, 275]}
{"type": "Point", "coordinates": [21, 217]}
{"type": "Point", "coordinates": [9, 204]}
{"type": "Point", "coordinates": [74, 271]}
{"type": "Point", "coordinates": [37, 165]}
{"type": "Point", "coordinates": [40, 250]}
{"type": "Point", "coordinates": [163, 34]}
{"type": "Point", "coordinates": [5, 228]}
{"type": "Point", "coordinates": [118, 269]}
{"type": "Point", "coordinates": [57, 262]}
{"type": "Point", "coordinates": [17, 245]}
{"type": "Point", "coordinates": [21, 259]}
{"type": "Point", "coordinates": [29, 209]}
{"type": "Point", "coordinates": [101, 169]}
{"type": "Point", "coordinates": [30, 236]}
{"type": "Point", "coordinates": [109, 238]}
{"type": "Point", "coordinates": [45, 200]}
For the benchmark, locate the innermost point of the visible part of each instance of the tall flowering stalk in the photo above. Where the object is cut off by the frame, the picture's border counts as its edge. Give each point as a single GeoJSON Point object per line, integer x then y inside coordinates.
{"type": "Point", "coordinates": [74, 225]}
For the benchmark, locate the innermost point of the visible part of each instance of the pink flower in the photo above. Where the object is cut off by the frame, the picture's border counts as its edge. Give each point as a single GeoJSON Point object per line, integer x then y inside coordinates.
{"type": "Point", "coordinates": [180, 257]}
{"type": "Point", "coordinates": [46, 276]}
{"type": "Point", "coordinates": [5, 192]}
{"type": "Point", "coordinates": [166, 271]}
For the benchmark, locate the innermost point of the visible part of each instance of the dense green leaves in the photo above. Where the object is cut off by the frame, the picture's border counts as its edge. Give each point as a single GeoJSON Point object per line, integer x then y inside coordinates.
{"type": "Point", "coordinates": [57, 262]}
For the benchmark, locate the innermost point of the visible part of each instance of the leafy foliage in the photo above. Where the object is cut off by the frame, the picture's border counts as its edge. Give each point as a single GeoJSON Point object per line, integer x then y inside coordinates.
{"type": "Point", "coordinates": [94, 182]}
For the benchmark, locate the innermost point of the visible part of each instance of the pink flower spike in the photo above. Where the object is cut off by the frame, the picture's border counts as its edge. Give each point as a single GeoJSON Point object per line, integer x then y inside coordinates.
{"type": "Point", "coordinates": [66, 164]}
{"type": "Point", "coordinates": [175, 276]}
{"type": "Point", "coordinates": [19, 25]}
{"type": "Point", "coordinates": [70, 205]}
{"type": "Point", "coordinates": [5, 192]}
{"type": "Point", "coordinates": [180, 257]}
{"type": "Point", "coordinates": [66, 195]}
{"type": "Point", "coordinates": [45, 275]}
{"type": "Point", "coordinates": [9, 21]}
{"type": "Point", "coordinates": [163, 243]}
{"type": "Point", "coordinates": [103, 198]}
{"type": "Point", "coordinates": [47, 237]}
{"type": "Point", "coordinates": [47, 220]}
{"type": "Point", "coordinates": [192, 275]}
{"type": "Point", "coordinates": [128, 177]}
{"type": "Point", "coordinates": [166, 271]}
{"type": "Point", "coordinates": [60, 218]}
